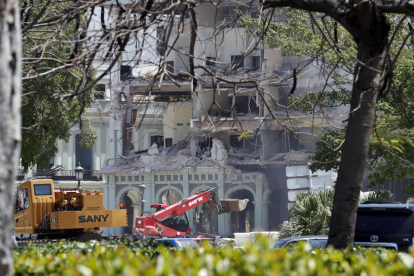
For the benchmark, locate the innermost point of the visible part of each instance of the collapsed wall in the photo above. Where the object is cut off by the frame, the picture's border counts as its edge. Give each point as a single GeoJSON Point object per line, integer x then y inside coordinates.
{"type": "Point", "coordinates": [164, 170]}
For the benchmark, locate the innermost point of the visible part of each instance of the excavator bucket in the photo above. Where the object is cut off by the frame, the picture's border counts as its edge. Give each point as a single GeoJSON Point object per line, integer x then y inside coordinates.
{"type": "Point", "coordinates": [226, 205]}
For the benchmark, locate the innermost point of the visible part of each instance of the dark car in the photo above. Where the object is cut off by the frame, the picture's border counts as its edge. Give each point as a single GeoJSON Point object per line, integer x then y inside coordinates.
{"type": "Point", "coordinates": [179, 243]}
{"type": "Point", "coordinates": [314, 241]}
{"type": "Point", "coordinates": [388, 223]}
{"type": "Point", "coordinates": [322, 241]}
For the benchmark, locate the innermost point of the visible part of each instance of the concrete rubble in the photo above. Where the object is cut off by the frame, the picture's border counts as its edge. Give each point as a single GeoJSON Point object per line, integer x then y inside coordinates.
{"type": "Point", "coordinates": [168, 160]}
{"type": "Point", "coordinates": [179, 156]}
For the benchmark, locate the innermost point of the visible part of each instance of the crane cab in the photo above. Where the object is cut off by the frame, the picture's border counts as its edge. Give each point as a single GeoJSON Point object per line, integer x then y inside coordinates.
{"type": "Point", "coordinates": [34, 199]}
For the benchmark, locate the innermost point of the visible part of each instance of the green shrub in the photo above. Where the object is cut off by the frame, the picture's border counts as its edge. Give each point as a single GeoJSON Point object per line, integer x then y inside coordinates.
{"type": "Point", "coordinates": [124, 257]}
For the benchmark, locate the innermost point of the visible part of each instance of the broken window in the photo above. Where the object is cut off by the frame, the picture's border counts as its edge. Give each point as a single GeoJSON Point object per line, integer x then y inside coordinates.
{"type": "Point", "coordinates": [157, 139]}
{"type": "Point", "coordinates": [22, 200]}
{"type": "Point", "coordinates": [245, 104]}
{"type": "Point", "coordinates": [168, 142]}
{"type": "Point", "coordinates": [125, 72]}
{"type": "Point", "coordinates": [210, 61]}
{"type": "Point", "coordinates": [160, 40]}
{"type": "Point", "coordinates": [100, 91]}
{"type": "Point", "coordinates": [170, 66]}
{"type": "Point", "coordinates": [255, 62]}
{"type": "Point", "coordinates": [235, 142]}
{"type": "Point", "coordinates": [237, 61]}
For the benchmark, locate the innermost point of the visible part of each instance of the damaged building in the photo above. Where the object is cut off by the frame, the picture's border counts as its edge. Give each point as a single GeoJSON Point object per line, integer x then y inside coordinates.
{"type": "Point", "coordinates": [231, 133]}
{"type": "Point", "coordinates": [171, 174]}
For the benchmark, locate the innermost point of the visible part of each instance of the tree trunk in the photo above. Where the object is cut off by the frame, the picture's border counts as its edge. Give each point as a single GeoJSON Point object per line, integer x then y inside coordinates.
{"type": "Point", "coordinates": [372, 42]}
{"type": "Point", "coordinates": [10, 122]}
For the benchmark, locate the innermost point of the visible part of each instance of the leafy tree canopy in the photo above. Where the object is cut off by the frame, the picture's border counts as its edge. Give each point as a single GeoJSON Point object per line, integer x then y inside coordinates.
{"type": "Point", "coordinates": [392, 142]}
{"type": "Point", "coordinates": [47, 114]}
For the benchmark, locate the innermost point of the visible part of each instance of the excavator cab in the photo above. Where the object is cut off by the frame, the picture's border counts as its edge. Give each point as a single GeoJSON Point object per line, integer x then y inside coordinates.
{"type": "Point", "coordinates": [179, 223]}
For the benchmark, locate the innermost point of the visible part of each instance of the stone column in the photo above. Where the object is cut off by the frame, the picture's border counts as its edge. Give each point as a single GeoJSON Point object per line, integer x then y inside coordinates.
{"type": "Point", "coordinates": [71, 152]}
{"type": "Point", "coordinates": [58, 159]}
{"type": "Point", "coordinates": [222, 220]}
{"type": "Point", "coordinates": [258, 203]}
{"type": "Point", "coordinates": [112, 204]}
{"type": "Point", "coordinates": [105, 203]}
{"type": "Point", "coordinates": [97, 154]}
{"type": "Point", "coordinates": [265, 215]}
{"type": "Point", "coordinates": [149, 196]}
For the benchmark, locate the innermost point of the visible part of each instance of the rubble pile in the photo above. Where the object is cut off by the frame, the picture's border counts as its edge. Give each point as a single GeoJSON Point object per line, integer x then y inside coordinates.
{"type": "Point", "coordinates": [155, 160]}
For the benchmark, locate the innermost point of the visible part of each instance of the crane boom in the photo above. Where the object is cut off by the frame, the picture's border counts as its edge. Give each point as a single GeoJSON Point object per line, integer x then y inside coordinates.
{"type": "Point", "coordinates": [171, 221]}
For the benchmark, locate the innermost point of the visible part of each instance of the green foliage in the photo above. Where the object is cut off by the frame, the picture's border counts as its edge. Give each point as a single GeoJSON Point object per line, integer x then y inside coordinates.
{"type": "Point", "coordinates": [127, 258]}
{"type": "Point", "coordinates": [174, 98]}
{"type": "Point", "coordinates": [46, 115]}
{"type": "Point", "coordinates": [309, 215]}
{"type": "Point", "coordinates": [88, 136]}
{"type": "Point", "coordinates": [378, 195]}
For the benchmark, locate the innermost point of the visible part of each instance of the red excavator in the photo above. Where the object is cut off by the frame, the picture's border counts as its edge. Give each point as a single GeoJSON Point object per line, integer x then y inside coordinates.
{"type": "Point", "coordinates": [171, 220]}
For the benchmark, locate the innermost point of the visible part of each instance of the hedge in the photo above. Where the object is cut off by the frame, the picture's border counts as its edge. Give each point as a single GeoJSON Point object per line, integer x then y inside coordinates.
{"type": "Point", "coordinates": [123, 257]}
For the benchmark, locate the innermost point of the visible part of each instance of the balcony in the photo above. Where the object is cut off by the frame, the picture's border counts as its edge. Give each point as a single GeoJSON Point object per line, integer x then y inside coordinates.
{"type": "Point", "coordinates": [64, 175]}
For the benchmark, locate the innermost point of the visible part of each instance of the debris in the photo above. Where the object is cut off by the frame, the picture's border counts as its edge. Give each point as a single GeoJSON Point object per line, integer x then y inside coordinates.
{"type": "Point", "coordinates": [153, 150]}
{"type": "Point", "coordinates": [219, 153]}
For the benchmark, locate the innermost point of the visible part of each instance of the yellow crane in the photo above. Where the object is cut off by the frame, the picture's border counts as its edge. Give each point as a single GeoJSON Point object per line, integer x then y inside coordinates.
{"type": "Point", "coordinates": [75, 214]}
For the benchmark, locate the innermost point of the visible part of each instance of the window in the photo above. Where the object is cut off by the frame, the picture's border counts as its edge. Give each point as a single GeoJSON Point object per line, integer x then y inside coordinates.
{"type": "Point", "coordinates": [255, 62]}
{"type": "Point", "coordinates": [157, 139]}
{"type": "Point", "coordinates": [383, 222]}
{"type": "Point", "coordinates": [237, 62]}
{"type": "Point", "coordinates": [160, 40]}
{"type": "Point", "coordinates": [168, 142]}
{"type": "Point", "coordinates": [125, 72]}
{"type": "Point", "coordinates": [187, 243]}
{"type": "Point", "coordinates": [22, 200]}
{"type": "Point", "coordinates": [235, 143]}
{"type": "Point", "coordinates": [319, 243]}
{"type": "Point", "coordinates": [179, 124]}
{"type": "Point", "coordinates": [100, 91]}
{"type": "Point", "coordinates": [42, 189]}
{"type": "Point", "coordinates": [170, 67]}
{"type": "Point", "coordinates": [210, 61]}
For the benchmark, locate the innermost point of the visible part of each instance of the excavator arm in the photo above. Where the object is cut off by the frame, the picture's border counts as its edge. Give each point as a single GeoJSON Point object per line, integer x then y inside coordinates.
{"type": "Point", "coordinates": [161, 222]}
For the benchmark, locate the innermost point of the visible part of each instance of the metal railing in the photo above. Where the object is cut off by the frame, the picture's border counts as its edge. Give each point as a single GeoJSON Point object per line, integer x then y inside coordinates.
{"type": "Point", "coordinates": [69, 175]}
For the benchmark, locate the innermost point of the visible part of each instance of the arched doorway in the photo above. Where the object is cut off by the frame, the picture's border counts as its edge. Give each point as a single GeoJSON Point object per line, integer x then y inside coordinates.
{"type": "Point", "coordinates": [130, 214]}
{"type": "Point", "coordinates": [242, 221]}
{"type": "Point", "coordinates": [205, 220]}
{"type": "Point", "coordinates": [170, 197]}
